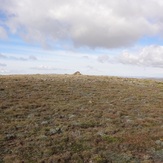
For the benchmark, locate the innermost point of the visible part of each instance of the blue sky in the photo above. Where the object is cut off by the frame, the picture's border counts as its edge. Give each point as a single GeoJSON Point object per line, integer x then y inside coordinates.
{"type": "Point", "coordinates": [100, 37]}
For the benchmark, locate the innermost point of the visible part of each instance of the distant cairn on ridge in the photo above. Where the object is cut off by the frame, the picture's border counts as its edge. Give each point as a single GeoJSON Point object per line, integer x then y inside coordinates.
{"type": "Point", "coordinates": [77, 73]}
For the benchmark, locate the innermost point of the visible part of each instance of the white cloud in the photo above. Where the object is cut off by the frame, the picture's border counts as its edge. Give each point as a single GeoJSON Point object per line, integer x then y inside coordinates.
{"type": "Point", "coordinates": [3, 71]}
{"type": "Point", "coordinates": [94, 23]}
{"type": "Point", "coordinates": [29, 58]}
{"type": "Point", "coordinates": [90, 67]}
{"type": "Point", "coordinates": [103, 58]}
{"type": "Point", "coordinates": [18, 58]}
{"type": "Point", "coordinates": [32, 58]}
{"type": "Point", "coordinates": [2, 65]}
{"type": "Point", "coordinates": [151, 56]}
{"type": "Point", "coordinates": [43, 67]}
{"type": "Point", "coordinates": [3, 33]}
{"type": "Point", "coordinates": [2, 56]}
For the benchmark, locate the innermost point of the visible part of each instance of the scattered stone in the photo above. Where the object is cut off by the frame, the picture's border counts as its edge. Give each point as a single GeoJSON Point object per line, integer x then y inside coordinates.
{"type": "Point", "coordinates": [158, 154]}
{"type": "Point", "coordinates": [71, 116]}
{"type": "Point", "coordinates": [158, 142]}
{"type": "Point", "coordinates": [52, 131]}
{"type": "Point", "coordinates": [146, 157]}
{"type": "Point", "coordinates": [129, 121]}
{"type": "Point", "coordinates": [55, 131]}
{"type": "Point", "coordinates": [31, 116]}
{"type": "Point", "coordinates": [10, 136]}
{"type": "Point", "coordinates": [44, 122]}
{"type": "Point", "coordinates": [90, 102]}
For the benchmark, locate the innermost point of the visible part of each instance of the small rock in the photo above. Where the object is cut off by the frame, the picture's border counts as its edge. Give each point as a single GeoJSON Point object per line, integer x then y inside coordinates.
{"type": "Point", "coordinates": [10, 136]}
{"type": "Point", "coordinates": [55, 131]}
{"type": "Point", "coordinates": [58, 130]}
{"type": "Point", "coordinates": [71, 116]}
{"type": "Point", "coordinates": [158, 142]}
{"type": "Point", "coordinates": [129, 121]}
{"type": "Point", "coordinates": [44, 122]}
{"type": "Point", "coordinates": [146, 157]}
{"type": "Point", "coordinates": [52, 131]}
{"type": "Point", "coordinates": [90, 102]}
{"type": "Point", "coordinates": [31, 115]}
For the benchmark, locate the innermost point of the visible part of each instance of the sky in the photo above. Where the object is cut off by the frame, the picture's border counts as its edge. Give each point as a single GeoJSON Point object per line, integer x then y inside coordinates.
{"type": "Point", "coordinates": [95, 37]}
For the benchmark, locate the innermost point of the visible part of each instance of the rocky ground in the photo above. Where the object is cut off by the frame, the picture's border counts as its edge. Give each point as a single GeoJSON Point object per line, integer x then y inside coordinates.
{"type": "Point", "coordinates": [77, 118]}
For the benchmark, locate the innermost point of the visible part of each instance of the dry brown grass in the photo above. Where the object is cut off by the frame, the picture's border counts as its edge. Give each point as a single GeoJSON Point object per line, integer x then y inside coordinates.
{"type": "Point", "coordinates": [67, 118]}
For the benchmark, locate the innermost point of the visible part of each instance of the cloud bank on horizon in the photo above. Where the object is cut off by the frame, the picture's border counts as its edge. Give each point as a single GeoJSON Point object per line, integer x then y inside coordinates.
{"type": "Point", "coordinates": [92, 24]}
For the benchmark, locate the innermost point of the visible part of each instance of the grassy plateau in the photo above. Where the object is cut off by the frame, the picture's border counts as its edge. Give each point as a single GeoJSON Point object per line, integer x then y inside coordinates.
{"type": "Point", "coordinates": [80, 119]}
